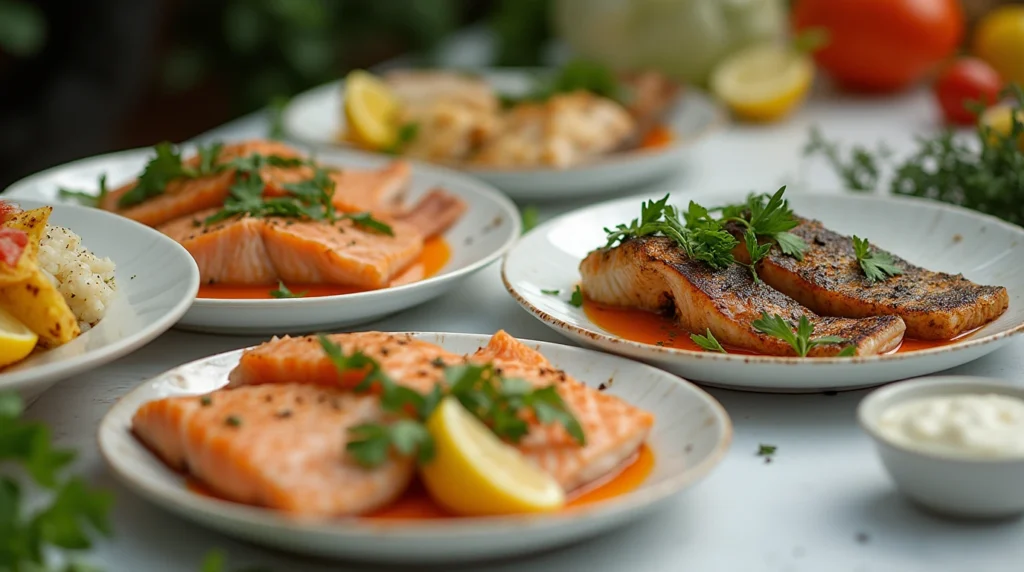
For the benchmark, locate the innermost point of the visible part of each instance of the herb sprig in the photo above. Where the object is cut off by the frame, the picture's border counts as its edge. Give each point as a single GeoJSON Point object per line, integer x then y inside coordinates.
{"type": "Point", "coordinates": [167, 166]}
{"type": "Point", "coordinates": [876, 264]}
{"type": "Point", "coordinates": [708, 342]}
{"type": "Point", "coordinates": [407, 133]}
{"type": "Point", "coordinates": [575, 75]}
{"type": "Point", "coordinates": [282, 291]}
{"type": "Point", "coordinates": [86, 198]}
{"type": "Point", "coordinates": [767, 216]}
{"type": "Point", "coordinates": [800, 338]}
{"type": "Point", "coordinates": [498, 401]}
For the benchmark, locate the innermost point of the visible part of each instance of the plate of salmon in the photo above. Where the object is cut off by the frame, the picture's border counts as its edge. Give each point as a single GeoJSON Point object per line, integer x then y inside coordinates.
{"type": "Point", "coordinates": [537, 134]}
{"type": "Point", "coordinates": [413, 447]}
{"type": "Point", "coordinates": [777, 292]}
{"type": "Point", "coordinates": [80, 288]}
{"type": "Point", "coordinates": [289, 243]}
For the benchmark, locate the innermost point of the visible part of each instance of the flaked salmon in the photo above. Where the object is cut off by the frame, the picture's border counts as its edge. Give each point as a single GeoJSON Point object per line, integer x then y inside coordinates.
{"type": "Point", "coordinates": [830, 281]}
{"type": "Point", "coordinates": [248, 251]}
{"type": "Point", "coordinates": [435, 213]}
{"type": "Point", "coordinates": [278, 446]}
{"type": "Point", "coordinates": [654, 274]}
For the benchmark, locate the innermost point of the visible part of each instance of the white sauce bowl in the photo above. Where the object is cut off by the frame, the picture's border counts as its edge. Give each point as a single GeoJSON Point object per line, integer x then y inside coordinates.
{"type": "Point", "coordinates": [955, 486]}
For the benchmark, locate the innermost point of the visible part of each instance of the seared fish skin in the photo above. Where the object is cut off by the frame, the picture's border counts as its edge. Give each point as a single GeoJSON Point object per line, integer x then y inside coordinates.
{"type": "Point", "coordinates": [654, 274]}
{"type": "Point", "coordinates": [830, 281]}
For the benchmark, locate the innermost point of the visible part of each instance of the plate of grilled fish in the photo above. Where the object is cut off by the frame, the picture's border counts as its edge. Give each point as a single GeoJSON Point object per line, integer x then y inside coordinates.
{"type": "Point", "coordinates": [289, 243]}
{"type": "Point", "coordinates": [413, 447]}
{"type": "Point", "coordinates": [537, 134]}
{"type": "Point", "coordinates": [771, 292]}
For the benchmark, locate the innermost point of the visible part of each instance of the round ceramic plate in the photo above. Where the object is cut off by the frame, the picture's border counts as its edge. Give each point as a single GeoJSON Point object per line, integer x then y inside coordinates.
{"type": "Point", "coordinates": [156, 283]}
{"type": "Point", "coordinates": [933, 235]}
{"type": "Point", "coordinates": [691, 434]}
{"type": "Point", "coordinates": [488, 228]}
{"type": "Point", "coordinates": [316, 118]}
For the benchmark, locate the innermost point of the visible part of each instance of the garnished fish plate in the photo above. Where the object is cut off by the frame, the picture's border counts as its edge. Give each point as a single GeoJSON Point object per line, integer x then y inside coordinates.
{"type": "Point", "coordinates": [413, 448]}
{"type": "Point", "coordinates": [844, 292]}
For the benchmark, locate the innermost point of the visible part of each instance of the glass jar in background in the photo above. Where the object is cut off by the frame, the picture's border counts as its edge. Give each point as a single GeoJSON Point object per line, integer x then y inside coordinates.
{"type": "Point", "coordinates": [682, 38]}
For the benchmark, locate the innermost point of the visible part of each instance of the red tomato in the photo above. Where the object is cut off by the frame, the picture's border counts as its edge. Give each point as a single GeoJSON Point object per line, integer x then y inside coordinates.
{"type": "Point", "coordinates": [882, 45]}
{"type": "Point", "coordinates": [967, 79]}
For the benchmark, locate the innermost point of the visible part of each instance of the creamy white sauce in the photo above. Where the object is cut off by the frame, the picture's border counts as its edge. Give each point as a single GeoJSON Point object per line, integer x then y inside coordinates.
{"type": "Point", "coordinates": [969, 425]}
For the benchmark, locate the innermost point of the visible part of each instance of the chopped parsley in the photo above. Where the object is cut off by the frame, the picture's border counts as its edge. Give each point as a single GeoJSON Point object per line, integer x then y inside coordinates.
{"type": "Point", "coordinates": [877, 265]}
{"type": "Point", "coordinates": [551, 292]}
{"type": "Point", "coordinates": [800, 338]}
{"type": "Point", "coordinates": [708, 342]}
{"type": "Point", "coordinates": [577, 297]}
{"type": "Point", "coordinates": [282, 291]}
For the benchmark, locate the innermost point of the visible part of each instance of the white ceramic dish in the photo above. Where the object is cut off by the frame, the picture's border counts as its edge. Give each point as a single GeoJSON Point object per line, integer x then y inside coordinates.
{"type": "Point", "coordinates": [692, 433]}
{"type": "Point", "coordinates": [485, 232]}
{"type": "Point", "coordinates": [316, 118]}
{"type": "Point", "coordinates": [156, 283]}
{"type": "Point", "coordinates": [958, 487]}
{"type": "Point", "coordinates": [941, 238]}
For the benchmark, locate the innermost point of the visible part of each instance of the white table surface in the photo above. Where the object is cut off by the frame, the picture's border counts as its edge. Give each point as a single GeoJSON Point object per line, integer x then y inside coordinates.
{"type": "Point", "coordinates": [824, 504]}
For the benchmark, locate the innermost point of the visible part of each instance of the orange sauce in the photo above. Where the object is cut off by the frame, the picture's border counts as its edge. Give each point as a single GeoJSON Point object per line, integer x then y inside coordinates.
{"type": "Point", "coordinates": [650, 328]}
{"type": "Point", "coordinates": [435, 255]}
{"type": "Point", "coordinates": [416, 504]}
{"type": "Point", "coordinates": [658, 136]}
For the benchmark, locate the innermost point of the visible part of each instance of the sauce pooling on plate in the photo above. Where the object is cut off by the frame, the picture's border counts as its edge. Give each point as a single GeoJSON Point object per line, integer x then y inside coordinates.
{"type": "Point", "coordinates": [983, 426]}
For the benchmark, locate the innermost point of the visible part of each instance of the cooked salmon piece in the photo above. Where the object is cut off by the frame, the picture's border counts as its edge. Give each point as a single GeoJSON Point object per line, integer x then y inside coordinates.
{"type": "Point", "coordinates": [277, 446]}
{"type": "Point", "coordinates": [435, 213]}
{"type": "Point", "coordinates": [379, 191]}
{"type": "Point", "coordinates": [654, 274]}
{"type": "Point", "coordinates": [830, 281]}
{"type": "Point", "coordinates": [614, 429]}
{"type": "Point", "coordinates": [251, 251]}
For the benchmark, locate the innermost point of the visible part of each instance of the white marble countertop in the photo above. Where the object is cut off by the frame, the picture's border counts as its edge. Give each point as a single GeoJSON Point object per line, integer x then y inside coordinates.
{"type": "Point", "coordinates": [823, 504]}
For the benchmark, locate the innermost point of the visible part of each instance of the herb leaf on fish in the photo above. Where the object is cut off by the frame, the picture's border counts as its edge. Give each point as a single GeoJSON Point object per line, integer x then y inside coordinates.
{"type": "Point", "coordinates": [876, 264]}
{"type": "Point", "coordinates": [800, 338]}
{"type": "Point", "coordinates": [407, 133]}
{"type": "Point", "coordinates": [708, 342]}
{"type": "Point", "coordinates": [282, 291]}
{"type": "Point", "coordinates": [167, 166]}
{"type": "Point", "coordinates": [576, 299]}
{"type": "Point", "coordinates": [86, 198]}
{"type": "Point", "coordinates": [768, 216]}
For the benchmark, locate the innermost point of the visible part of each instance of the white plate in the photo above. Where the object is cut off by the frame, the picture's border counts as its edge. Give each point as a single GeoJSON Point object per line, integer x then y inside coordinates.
{"type": "Point", "coordinates": [691, 434]}
{"type": "Point", "coordinates": [485, 232]}
{"type": "Point", "coordinates": [933, 235]}
{"type": "Point", "coordinates": [315, 118]}
{"type": "Point", "coordinates": [156, 283]}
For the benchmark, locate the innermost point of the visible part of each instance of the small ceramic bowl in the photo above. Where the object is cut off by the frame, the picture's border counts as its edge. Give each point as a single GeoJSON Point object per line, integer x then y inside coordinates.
{"type": "Point", "coordinates": [953, 486]}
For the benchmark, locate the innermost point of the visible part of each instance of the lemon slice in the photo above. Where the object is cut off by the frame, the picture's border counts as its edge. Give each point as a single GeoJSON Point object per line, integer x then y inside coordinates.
{"type": "Point", "coordinates": [16, 340]}
{"type": "Point", "coordinates": [474, 473]}
{"type": "Point", "coordinates": [371, 110]}
{"type": "Point", "coordinates": [764, 82]}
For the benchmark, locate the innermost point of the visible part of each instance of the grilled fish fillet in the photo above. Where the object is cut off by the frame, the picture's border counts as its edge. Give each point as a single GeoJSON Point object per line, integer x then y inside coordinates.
{"type": "Point", "coordinates": [830, 281]}
{"type": "Point", "coordinates": [278, 446]}
{"type": "Point", "coordinates": [614, 429]}
{"type": "Point", "coordinates": [654, 274]}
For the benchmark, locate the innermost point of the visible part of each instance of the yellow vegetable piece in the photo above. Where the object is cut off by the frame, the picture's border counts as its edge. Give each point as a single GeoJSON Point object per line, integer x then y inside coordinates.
{"type": "Point", "coordinates": [371, 111]}
{"type": "Point", "coordinates": [33, 223]}
{"type": "Point", "coordinates": [16, 340]}
{"type": "Point", "coordinates": [998, 118]}
{"type": "Point", "coordinates": [764, 82]}
{"type": "Point", "coordinates": [475, 473]}
{"type": "Point", "coordinates": [999, 40]}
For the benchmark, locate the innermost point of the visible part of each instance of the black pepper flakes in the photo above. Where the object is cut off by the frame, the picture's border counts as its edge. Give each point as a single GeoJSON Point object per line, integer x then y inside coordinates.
{"type": "Point", "coordinates": [233, 421]}
{"type": "Point", "coordinates": [206, 401]}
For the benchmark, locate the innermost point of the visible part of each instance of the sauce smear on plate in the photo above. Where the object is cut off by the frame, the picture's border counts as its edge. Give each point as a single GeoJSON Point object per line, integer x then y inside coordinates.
{"type": "Point", "coordinates": [435, 255]}
{"type": "Point", "coordinates": [658, 136]}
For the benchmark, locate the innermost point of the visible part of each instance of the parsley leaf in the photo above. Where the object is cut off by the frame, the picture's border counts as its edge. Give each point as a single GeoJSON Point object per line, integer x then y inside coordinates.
{"type": "Point", "coordinates": [86, 198]}
{"type": "Point", "coordinates": [366, 220]}
{"type": "Point", "coordinates": [283, 292]}
{"type": "Point", "coordinates": [577, 297]}
{"type": "Point", "coordinates": [310, 199]}
{"type": "Point", "coordinates": [877, 265]}
{"type": "Point", "coordinates": [575, 75]}
{"type": "Point", "coordinates": [800, 340]}
{"type": "Point", "coordinates": [406, 134]}
{"type": "Point", "coordinates": [768, 216]}
{"type": "Point", "coordinates": [529, 215]}
{"type": "Point", "coordinates": [708, 342]}
{"type": "Point", "coordinates": [550, 292]}
{"type": "Point", "coordinates": [861, 173]}
{"type": "Point", "coordinates": [766, 450]}
{"type": "Point", "coordinates": [756, 252]}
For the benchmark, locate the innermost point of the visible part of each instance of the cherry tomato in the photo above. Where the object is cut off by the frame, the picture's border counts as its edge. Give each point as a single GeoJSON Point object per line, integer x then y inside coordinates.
{"type": "Point", "coordinates": [967, 79]}
{"type": "Point", "coordinates": [882, 45]}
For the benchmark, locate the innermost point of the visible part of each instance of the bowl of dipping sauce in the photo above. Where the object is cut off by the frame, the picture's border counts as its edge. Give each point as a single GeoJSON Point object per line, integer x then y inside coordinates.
{"type": "Point", "coordinates": [952, 444]}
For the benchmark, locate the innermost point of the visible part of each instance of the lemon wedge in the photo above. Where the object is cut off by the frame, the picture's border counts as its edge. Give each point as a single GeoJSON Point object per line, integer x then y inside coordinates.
{"type": "Point", "coordinates": [16, 340]}
{"type": "Point", "coordinates": [476, 474]}
{"type": "Point", "coordinates": [999, 119]}
{"type": "Point", "coordinates": [764, 82]}
{"type": "Point", "coordinates": [371, 110]}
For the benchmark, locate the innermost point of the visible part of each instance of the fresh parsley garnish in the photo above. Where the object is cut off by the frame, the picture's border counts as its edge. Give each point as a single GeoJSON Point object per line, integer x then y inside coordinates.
{"type": "Point", "coordinates": [877, 265]}
{"type": "Point", "coordinates": [311, 199]}
{"type": "Point", "coordinates": [861, 173]}
{"type": "Point", "coordinates": [577, 297]}
{"type": "Point", "coordinates": [66, 521]}
{"type": "Point", "coordinates": [708, 342]}
{"type": "Point", "coordinates": [551, 292]}
{"type": "Point", "coordinates": [767, 216]}
{"type": "Point", "coordinates": [366, 221]}
{"type": "Point", "coordinates": [282, 291]}
{"type": "Point", "coordinates": [766, 450]}
{"type": "Point", "coordinates": [800, 339]}
{"type": "Point", "coordinates": [86, 198]}
{"type": "Point", "coordinates": [406, 134]}
{"type": "Point", "coordinates": [497, 401]}
{"type": "Point", "coordinates": [530, 215]}
{"type": "Point", "coordinates": [167, 166]}
{"type": "Point", "coordinates": [575, 75]}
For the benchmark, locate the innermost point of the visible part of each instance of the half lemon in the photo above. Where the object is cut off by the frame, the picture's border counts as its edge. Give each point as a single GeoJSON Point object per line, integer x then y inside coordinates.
{"type": "Point", "coordinates": [474, 473]}
{"type": "Point", "coordinates": [371, 110]}
{"type": "Point", "coordinates": [764, 82]}
{"type": "Point", "coordinates": [16, 340]}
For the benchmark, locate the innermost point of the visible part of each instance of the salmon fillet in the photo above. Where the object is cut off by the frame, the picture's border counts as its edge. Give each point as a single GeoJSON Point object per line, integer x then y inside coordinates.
{"type": "Point", "coordinates": [251, 251]}
{"type": "Point", "coordinates": [244, 445]}
{"type": "Point", "coordinates": [830, 281]}
{"type": "Point", "coordinates": [614, 429]}
{"type": "Point", "coordinates": [378, 191]}
{"type": "Point", "coordinates": [653, 274]}
{"type": "Point", "coordinates": [435, 213]}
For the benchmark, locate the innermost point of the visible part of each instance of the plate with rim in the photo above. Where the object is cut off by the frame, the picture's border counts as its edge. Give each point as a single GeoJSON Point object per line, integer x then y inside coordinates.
{"type": "Point", "coordinates": [316, 118]}
{"type": "Point", "coordinates": [483, 234]}
{"type": "Point", "coordinates": [691, 434]}
{"type": "Point", "coordinates": [945, 238]}
{"type": "Point", "coordinates": [156, 282]}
